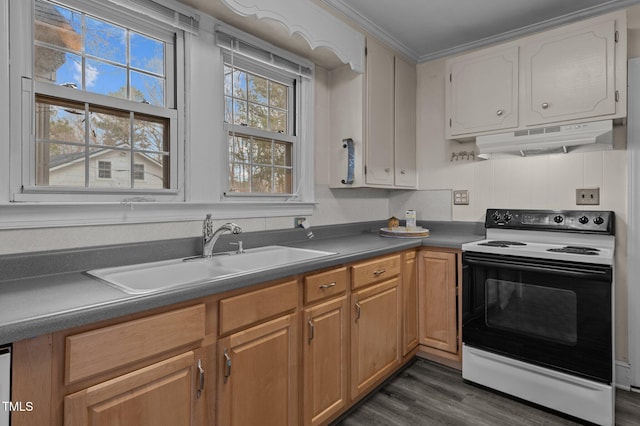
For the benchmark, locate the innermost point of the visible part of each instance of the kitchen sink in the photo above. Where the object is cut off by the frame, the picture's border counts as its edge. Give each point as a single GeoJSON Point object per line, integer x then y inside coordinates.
{"type": "Point", "coordinates": [157, 276]}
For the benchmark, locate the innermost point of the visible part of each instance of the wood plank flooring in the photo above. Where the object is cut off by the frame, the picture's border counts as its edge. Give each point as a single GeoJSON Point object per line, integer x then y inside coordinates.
{"type": "Point", "coordinates": [427, 393]}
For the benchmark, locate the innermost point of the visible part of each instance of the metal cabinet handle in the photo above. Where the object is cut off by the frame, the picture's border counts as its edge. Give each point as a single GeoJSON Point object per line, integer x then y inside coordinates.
{"type": "Point", "coordinates": [351, 161]}
{"type": "Point", "coordinates": [227, 365]}
{"type": "Point", "coordinates": [545, 105]}
{"type": "Point", "coordinates": [200, 379]}
{"type": "Point", "coordinates": [379, 272]}
{"type": "Point", "coordinates": [403, 172]}
{"type": "Point", "coordinates": [358, 308]}
{"type": "Point", "coordinates": [312, 328]}
{"type": "Point", "coordinates": [324, 286]}
{"type": "Point", "coordinates": [499, 112]}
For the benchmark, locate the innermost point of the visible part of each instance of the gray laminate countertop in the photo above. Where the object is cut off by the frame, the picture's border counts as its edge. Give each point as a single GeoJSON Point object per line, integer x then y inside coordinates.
{"type": "Point", "coordinates": [57, 293]}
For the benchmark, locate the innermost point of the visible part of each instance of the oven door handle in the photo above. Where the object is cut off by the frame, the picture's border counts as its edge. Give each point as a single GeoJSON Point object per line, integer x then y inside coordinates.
{"type": "Point", "coordinates": [602, 273]}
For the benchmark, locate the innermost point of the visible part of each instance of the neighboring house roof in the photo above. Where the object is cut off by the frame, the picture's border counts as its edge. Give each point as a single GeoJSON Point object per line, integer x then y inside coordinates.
{"type": "Point", "coordinates": [51, 26]}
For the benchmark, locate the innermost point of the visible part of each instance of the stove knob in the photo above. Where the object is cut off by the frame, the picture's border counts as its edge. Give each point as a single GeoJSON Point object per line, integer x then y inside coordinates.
{"type": "Point", "coordinates": [583, 220]}
{"type": "Point", "coordinates": [558, 219]}
{"type": "Point", "coordinates": [507, 217]}
{"type": "Point", "coordinates": [598, 220]}
{"type": "Point", "coordinates": [496, 217]}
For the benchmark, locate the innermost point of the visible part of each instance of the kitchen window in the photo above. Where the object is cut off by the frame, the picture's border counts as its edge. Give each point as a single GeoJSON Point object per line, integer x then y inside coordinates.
{"type": "Point", "coordinates": [99, 86]}
{"type": "Point", "coordinates": [268, 142]}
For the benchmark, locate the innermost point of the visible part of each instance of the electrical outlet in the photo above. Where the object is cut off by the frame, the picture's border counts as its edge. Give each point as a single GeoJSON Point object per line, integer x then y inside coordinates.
{"type": "Point", "coordinates": [461, 198]}
{"type": "Point", "coordinates": [297, 221]}
{"type": "Point", "coordinates": [588, 196]}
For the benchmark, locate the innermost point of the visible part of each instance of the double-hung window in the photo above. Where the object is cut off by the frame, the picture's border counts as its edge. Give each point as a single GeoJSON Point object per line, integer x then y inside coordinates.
{"type": "Point", "coordinates": [101, 86]}
{"type": "Point", "coordinates": [267, 103]}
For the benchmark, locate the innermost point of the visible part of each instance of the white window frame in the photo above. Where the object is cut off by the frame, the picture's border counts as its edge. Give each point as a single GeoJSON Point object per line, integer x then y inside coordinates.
{"type": "Point", "coordinates": [303, 142]}
{"type": "Point", "coordinates": [22, 181]}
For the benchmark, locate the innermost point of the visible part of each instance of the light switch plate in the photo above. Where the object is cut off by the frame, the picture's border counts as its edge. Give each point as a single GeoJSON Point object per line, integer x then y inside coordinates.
{"type": "Point", "coordinates": [461, 197]}
{"type": "Point", "coordinates": [588, 196]}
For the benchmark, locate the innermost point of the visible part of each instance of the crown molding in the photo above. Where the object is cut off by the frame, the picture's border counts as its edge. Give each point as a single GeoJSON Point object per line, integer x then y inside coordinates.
{"type": "Point", "coordinates": [316, 25]}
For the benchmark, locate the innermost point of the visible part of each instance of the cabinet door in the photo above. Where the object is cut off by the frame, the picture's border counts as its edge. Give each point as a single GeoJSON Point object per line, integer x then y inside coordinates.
{"type": "Point", "coordinates": [405, 124]}
{"type": "Point", "coordinates": [437, 287]}
{"type": "Point", "coordinates": [325, 360]}
{"type": "Point", "coordinates": [482, 92]}
{"type": "Point", "coordinates": [161, 394]}
{"type": "Point", "coordinates": [257, 384]}
{"type": "Point", "coordinates": [570, 76]}
{"type": "Point", "coordinates": [379, 123]}
{"type": "Point", "coordinates": [409, 303]}
{"type": "Point", "coordinates": [375, 334]}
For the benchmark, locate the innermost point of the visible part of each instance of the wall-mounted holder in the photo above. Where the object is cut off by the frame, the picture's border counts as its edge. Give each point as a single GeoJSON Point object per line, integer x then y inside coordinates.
{"type": "Point", "coordinates": [351, 160]}
{"type": "Point", "coordinates": [463, 155]}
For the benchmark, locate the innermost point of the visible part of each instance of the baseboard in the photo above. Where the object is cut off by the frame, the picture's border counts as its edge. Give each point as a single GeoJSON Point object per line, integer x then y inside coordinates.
{"type": "Point", "coordinates": [623, 375]}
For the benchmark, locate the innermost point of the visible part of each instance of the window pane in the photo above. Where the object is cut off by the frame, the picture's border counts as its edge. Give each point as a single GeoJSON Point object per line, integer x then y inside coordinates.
{"type": "Point", "coordinates": [278, 121]}
{"type": "Point", "coordinates": [59, 121]}
{"type": "Point", "coordinates": [278, 95]}
{"type": "Point", "coordinates": [55, 66]}
{"type": "Point", "coordinates": [147, 89]}
{"type": "Point", "coordinates": [60, 164]}
{"type": "Point", "coordinates": [105, 79]}
{"type": "Point", "coordinates": [106, 41]}
{"type": "Point", "coordinates": [258, 116]}
{"type": "Point", "coordinates": [282, 154]}
{"type": "Point", "coordinates": [228, 81]}
{"type": "Point", "coordinates": [109, 127]}
{"type": "Point", "coordinates": [138, 171]}
{"type": "Point", "coordinates": [239, 112]}
{"type": "Point", "coordinates": [240, 84]}
{"type": "Point", "coordinates": [239, 177]}
{"type": "Point", "coordinates": [152, 169]}
{"type": "Point", "coordinates": [239, 149]}
{"type": "Point", "coordinates": [258, 89]}
{"type": "Point", "coordinates": [150, 133]}
{"type": "Point", "coordinates": [262, 151]}
{"type": "Point", "coordinates": [57, 26]}
{"type": "Point", "coordinates": [228, 110]}
{"type": "Point", "coordinates": [110, 168]}
{"type": "Point", "coordinates": [147, 54]}
{"type": "Point", "coordinates": [282, 180]}
{"type": "Point", "coordinates": [261, 179]}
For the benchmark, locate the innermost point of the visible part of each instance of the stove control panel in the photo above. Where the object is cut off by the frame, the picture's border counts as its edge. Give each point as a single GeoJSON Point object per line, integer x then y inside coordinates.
{"type": "Point", "coordinates": [599, 222]}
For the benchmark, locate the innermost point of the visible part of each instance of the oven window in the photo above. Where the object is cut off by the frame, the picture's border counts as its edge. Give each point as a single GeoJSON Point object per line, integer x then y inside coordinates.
{"type": "Point", "coordinates": [543, 312]}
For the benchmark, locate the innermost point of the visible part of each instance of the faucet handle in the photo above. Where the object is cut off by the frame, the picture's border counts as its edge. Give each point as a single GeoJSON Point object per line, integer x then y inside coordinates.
{"type": "Point", "coordinates": [240, 248]}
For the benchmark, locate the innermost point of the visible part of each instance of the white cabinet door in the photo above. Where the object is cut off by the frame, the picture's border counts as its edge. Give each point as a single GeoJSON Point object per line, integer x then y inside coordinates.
{"type": "Point", "coordinates": [405, 124]}
{"type": "Point", "coordinates": [482, 92]}
{"type": "Point", "coordinates": [570, 76]}
{"type": "Point", "coordinates": [380, 127]}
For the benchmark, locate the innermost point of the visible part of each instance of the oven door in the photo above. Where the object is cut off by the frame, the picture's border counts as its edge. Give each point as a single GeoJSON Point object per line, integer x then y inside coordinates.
{"type": "Point", "coordinates": [553, 314]}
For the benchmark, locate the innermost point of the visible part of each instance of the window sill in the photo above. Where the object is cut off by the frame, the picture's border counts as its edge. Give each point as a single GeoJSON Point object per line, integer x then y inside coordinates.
{"type": "Point", "coordinates": [50, 215]}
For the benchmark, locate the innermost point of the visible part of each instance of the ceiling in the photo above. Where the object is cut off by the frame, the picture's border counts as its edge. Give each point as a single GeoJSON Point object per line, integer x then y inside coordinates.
{"type": "Point", "coordinates": [425, 29]}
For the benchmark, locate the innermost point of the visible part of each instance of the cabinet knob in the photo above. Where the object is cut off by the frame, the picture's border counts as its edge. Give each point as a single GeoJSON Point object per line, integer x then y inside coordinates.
{"type": "Point", "coordinates": [499, 112]}
{"type": "Point", "coordinates": [403, 172]}
{"type": "Point", "coordinates": [388, 169]}
{"type": "Point", "coordinates": [545, 105]}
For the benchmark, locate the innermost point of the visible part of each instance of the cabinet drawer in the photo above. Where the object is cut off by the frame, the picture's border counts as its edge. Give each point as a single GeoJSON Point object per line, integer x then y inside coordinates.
{"type": "Point", "coordinates": [240, 311]}
{"type": "Point", "coordinates": [375, 270]}
{"type": "Point", "coordinates": [325, 284]}
{"type": "Point", "coordinates": [105, 349]}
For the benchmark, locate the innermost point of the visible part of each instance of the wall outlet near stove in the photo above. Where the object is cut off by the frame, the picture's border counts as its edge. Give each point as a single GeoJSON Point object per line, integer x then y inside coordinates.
{"type": "Point", "coordinates": [461, 197]}
{"type": "Point", "coordinates": [588, 196]}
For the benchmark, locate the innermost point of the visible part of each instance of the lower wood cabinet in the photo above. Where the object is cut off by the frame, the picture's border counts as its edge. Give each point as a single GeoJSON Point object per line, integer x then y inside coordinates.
{"type": "Point", "coordinates": [438, 301]}
{"type": "Point", "coordinates": [258, 378]}
{"type": "Point", "coordinates": [160, 394]}
{"type": "Point", "coordinates": [409, 302]}
{"type": "Point", "coordinates": [375, 334]}
{"type": "Point", "coordinates": [325, 360]}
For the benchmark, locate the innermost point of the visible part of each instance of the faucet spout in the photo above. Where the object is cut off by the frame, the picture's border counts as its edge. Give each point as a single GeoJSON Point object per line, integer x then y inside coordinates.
{"type": "Point", "coordinates": [209, 236]}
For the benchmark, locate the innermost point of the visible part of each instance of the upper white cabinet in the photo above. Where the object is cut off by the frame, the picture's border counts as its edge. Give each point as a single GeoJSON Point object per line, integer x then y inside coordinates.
{"type": "Point", "coordinates": [570, 75]}
{"type": "Point", "coordinates": [566, 75]}
{"type": "Point", "coordinates": [482, 91]}
{"type": "Point", "coordinates": [373, 123]}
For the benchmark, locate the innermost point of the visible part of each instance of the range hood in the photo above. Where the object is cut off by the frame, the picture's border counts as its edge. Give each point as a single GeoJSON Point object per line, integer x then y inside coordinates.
{"type": "Point", "coordinates": [593, 136]}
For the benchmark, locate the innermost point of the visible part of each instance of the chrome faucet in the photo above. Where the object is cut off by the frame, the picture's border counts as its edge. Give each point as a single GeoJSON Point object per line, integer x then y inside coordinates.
{"type": "Point", "coordinates": [209, 236]}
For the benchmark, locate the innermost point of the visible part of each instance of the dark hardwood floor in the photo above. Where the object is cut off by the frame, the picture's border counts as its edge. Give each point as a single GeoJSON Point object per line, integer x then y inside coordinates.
{"type": "Point", "coordinates": [431, 394]}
